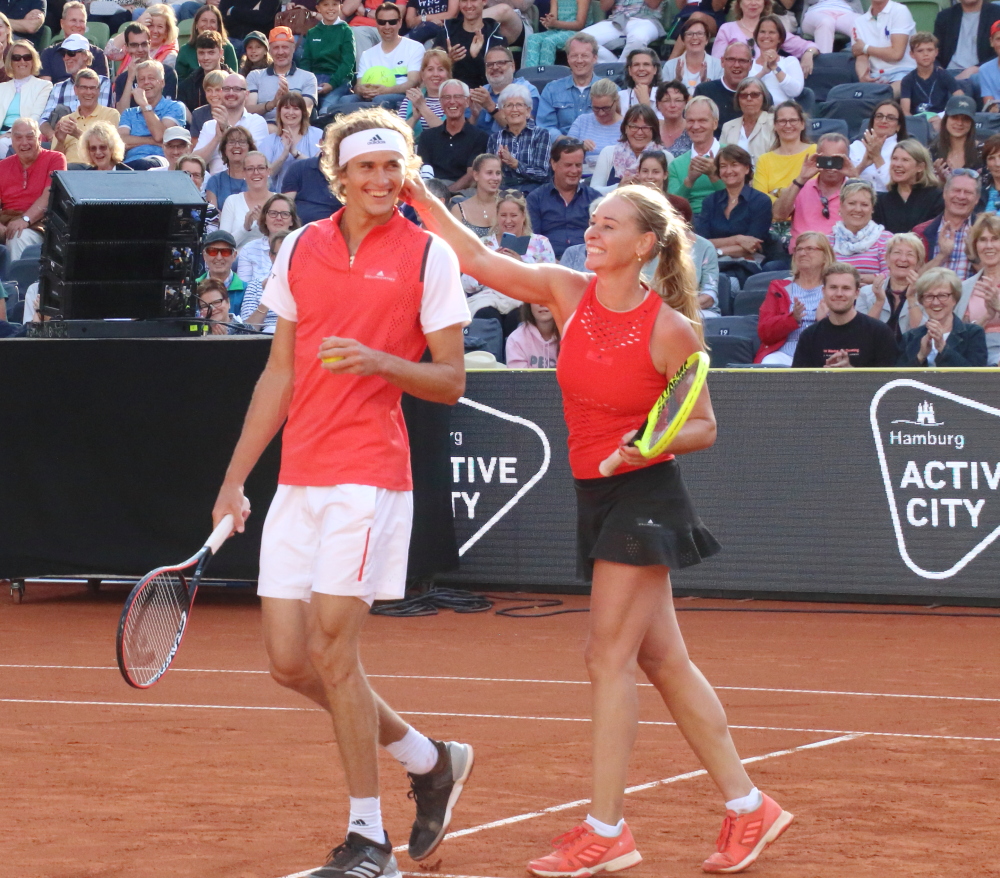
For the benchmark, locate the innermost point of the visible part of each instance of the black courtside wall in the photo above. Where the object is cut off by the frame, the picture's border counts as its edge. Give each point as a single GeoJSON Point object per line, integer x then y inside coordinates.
{"type": "Point", "coordinates": [112, 451]}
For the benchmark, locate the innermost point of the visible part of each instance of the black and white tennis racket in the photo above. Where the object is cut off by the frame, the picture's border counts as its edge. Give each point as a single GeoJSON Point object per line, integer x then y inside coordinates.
{"type": "Point", "coordinates": [156, 613]}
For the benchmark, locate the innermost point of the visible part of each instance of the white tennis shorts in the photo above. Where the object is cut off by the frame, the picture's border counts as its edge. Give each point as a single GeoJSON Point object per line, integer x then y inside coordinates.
{"type": "Point", "coordinates": [349, 540]}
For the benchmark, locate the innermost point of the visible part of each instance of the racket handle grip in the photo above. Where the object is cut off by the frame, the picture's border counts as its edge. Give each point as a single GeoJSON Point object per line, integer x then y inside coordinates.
{"type": "Point", "coordinates": [220, 534]}
{"type": "Point", "coordinates": [611, 463]}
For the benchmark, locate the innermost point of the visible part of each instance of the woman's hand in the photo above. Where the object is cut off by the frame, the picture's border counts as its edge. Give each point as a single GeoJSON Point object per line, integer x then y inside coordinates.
{"type": "Point", "coordinates": [873, 147]}
{"type": "Point", "coordinates": [878, 289]}
{"type": "Point", "coordinates": [415, 96]}
{"type": "Point", "coordinates": [252, 216]}
{"type": "Point", "coordinates": [768, 59]}
{"type": "Point", "coordinates": [548, 21]}
{"type": "Point", "coordinates": [287, 142]}
{"type": "Point", "coordinates": [911, 286]}
{"type": "Point", "coordinates": [806, 62]}
{"type": "Point", "coordinates": [935, 333]}
{"type": "Point", "coordinates": [641, 93]}
{"type": "Point", "coordinates": [925, 346]}
{"type": "Point", "coordinates": [508, 252]}
{"type": "Point", "coordinates": [798, 309]}
{"type": "Point", "coordinates": [942, 169]}
{"type": "Point", "coordinates": [630, 454]}
{"type": "Point", "coordinates": [821, 310]}
{"type": "Point", "coordinates": [507, 158]}
{"type": "Point", "coordinates": [749, 244]}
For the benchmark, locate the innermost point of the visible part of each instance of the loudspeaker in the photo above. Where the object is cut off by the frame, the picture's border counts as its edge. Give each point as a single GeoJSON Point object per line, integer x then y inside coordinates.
{"type": "Point", "coordinates": [121, 244]}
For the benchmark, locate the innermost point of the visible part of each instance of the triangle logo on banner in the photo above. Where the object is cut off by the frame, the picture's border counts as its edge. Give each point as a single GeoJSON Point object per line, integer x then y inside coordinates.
{"type": "Point", "coordinates": [491, 472]}
{"type": "Point", "coordinates": [940, 458]}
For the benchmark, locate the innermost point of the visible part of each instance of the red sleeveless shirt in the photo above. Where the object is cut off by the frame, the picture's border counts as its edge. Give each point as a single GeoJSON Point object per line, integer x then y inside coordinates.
{"type": "Point", "coordinates": [608, 381]}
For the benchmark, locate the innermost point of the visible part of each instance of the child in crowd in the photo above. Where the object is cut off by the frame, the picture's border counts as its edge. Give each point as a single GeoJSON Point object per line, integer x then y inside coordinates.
{"type": "Point", "coordinates": [535, 343]}
{"type": "Point", "coordinates": [329, 53]}
{"type": "Point", "coordinates": [925, 91]}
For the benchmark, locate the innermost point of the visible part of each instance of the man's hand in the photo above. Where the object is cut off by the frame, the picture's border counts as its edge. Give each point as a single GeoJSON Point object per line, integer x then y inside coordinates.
{"type": "Point", "coordinates": [231, 501]}
{"type": "Point", "coordinates": [139, 97]}
{"type": "Point", "coordinates": [838, 360]}
{"type": "Point", "coordinates": [809, 169]}
{"type": "Point", "coordinates": [15, 227]}
{"type": "Point", "coordinates": [946, 241]}
{"type": "Point", "coordinates": [282, 88]}
{"type": "Point", "coordinates": [477, 43]}
{"type": "Point", "coordinates": [345, 356]}
{"type": "Point", "coordinates": [66, 127]}
{"type": "Point", "coordinates": [699, 165]}
{"type": "Point", "coordinates": [221, 119]}
{"type": "Point", "coordinates": [481, 97]}
{"type": "Point", "coordinates": [456, 53]}
{"type": "Point", "coordinates": [858, 48]}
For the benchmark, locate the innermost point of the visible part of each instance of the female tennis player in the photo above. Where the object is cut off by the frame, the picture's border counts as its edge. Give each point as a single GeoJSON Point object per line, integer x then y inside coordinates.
{"type": "Point", "coordinates": [620, 341]}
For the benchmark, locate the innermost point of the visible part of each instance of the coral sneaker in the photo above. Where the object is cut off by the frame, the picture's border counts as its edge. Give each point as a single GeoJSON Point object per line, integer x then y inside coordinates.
{"type": "Point", "coordinates": [744, 836]}
{"type": "Point", "coordinates": [581, 852]}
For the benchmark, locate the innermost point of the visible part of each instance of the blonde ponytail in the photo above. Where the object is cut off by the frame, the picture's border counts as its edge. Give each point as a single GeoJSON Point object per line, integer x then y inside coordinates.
{"type": "Point", "coordinates": [675, 278]}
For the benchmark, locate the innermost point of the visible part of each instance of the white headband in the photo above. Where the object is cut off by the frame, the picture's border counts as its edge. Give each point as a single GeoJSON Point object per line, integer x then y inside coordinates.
{"type": "Point", "coordinates": [372, 140]}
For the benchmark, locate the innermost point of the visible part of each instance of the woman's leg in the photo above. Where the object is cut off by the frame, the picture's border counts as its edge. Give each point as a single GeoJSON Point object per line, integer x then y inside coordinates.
{"type": "Point", "coordinates": [541, 48]}
{"type": "Point", "coordinates": [639, 33]}
{"type": "Point", "coordinates": [822, 25]}
{"type": "Point", "coordinates": [623, 601]}
{"type": "Point", "coordinates": [691, 700]}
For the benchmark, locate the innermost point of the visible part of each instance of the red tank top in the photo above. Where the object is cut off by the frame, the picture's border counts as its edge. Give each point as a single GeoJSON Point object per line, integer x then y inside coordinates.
{"type": "Point", "coordinates": [349, 429]}
{"type": "Point", "coordinates": [607, 377]}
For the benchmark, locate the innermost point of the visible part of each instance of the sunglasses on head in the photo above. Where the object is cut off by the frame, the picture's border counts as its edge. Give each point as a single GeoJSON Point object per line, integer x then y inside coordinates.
{"type": "Point", "coordinates": [219, 251]}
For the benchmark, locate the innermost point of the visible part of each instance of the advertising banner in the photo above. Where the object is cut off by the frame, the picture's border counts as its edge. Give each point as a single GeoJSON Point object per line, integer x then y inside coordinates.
{"type": "Point", "coordinates": [867, 482]}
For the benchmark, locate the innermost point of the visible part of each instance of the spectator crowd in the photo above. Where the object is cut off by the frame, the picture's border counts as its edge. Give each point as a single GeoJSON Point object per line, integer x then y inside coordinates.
{"type": "Point", "coordinates": [860, 229]}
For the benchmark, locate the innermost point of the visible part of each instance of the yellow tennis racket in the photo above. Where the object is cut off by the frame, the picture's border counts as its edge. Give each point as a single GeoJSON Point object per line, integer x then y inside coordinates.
{"type": "Point", "coordinates": [670, 413]}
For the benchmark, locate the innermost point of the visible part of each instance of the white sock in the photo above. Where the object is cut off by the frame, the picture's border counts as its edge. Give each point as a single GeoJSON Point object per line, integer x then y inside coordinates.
{"type": "Point", "coordinates": [366, 819]}
{"type": "Point", "coordinates": [749, 803]}
{"type": "Point", "coordinates": [606, 830]}
{"type": "Point", "coordinates": [415, 752]}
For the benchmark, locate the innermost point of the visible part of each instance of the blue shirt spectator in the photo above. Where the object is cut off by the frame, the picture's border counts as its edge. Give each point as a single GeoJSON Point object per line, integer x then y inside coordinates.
{"type": "Point", "coordinates": [751, 216]}
{"type": "Point", "coordinates": [133, 122]}
{"type": "Point", "coordinates": [305, 182]}
{"type": "Point", "coordinates": [562, 222]}
{"type": "Point", "coordinates": [561, 102]}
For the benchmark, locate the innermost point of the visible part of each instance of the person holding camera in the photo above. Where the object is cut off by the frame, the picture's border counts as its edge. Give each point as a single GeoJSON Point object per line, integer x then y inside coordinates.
{"type": "Point", "coordinates": [812, 201]}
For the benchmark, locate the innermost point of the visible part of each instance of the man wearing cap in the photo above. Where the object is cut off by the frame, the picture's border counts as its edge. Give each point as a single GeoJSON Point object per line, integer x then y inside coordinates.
{"type": "Point", "coordinates": [68, 130]}
{"type": "Point", "coordinates": [219, 255]}
{"type": "Point", "coordinates": [232, 112]}
{"type": "Point", "coordinates": [176, 144]}
{"type": "Point", "coordinates": [76, 55]}
{"type": "Point", "coordinates": [964, 31]}
{"type": "Point", "coordinates": [268, 85]}
{"type": "Point", "coordinates": [209, 50]}
{"type": "Point", "coordinates": [347, 290]}
{"type": "Point", "coordinates": [73, 22]}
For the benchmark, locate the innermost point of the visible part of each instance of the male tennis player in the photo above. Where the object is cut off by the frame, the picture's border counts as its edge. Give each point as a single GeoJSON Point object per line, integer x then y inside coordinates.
{"type": "Point", "coordinates": [359, 296]}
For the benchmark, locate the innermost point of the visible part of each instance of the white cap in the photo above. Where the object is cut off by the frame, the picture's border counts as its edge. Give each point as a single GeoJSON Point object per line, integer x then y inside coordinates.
{"type": "Point", "coordinates": [175, 132]}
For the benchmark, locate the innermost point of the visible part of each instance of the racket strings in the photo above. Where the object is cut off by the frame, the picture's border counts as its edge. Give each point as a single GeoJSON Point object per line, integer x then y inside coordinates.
{"type": "Point", "coordinates": [154, 626]}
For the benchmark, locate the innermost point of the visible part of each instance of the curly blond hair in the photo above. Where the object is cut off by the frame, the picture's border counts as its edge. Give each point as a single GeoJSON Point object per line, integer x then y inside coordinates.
{"type": "Point", "coordinates": [352, 123]}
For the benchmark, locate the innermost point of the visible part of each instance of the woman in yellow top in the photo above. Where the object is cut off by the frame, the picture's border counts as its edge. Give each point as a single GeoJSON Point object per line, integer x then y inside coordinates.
{"type": "Point", "coordinates": [776, 169]}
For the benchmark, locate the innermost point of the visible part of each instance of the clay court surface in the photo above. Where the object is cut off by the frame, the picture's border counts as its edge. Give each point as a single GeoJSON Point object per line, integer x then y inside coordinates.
{"type": "Point", "coordinates": [218, 772]}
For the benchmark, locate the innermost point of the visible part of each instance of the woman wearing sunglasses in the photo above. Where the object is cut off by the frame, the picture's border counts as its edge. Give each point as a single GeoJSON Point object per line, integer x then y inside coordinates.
{"type": "Point", "coordinates": [24, 94]}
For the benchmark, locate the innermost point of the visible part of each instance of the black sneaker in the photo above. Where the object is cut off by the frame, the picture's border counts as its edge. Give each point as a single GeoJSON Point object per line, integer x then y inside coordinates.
{"type": "Point", "coordinates": [359, 857]}
{"type": "Point", "coordinates": [436, 794]}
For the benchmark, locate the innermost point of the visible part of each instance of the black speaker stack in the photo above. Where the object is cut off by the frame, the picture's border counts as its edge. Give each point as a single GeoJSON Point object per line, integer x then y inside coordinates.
{"type": "Point", "coordinates": [122, 246]}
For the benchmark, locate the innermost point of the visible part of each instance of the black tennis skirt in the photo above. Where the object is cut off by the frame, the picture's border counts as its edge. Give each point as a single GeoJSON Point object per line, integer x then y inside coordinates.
{"type": "Point", "coordinates": [642, 518]}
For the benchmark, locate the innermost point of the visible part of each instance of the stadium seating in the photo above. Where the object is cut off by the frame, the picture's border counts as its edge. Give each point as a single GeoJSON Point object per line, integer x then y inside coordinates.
{"type": "Point", "coordinates": [25, 272]}
{"type": "Point", "coordinates": [853, 102]}
{"type": "Point", "coordinates": [541, 76]}
{"type": "Point", "coordinates": [919, 128]}
{"type": "Point", "coordinates": [833, 68]}
{"type": "Point", "coordinates": [744, 326]}
{"type": "Point", "coordinates": [611, 70]}
{"type": "Point", "coordinates": [807, 100]}
{"type": "Point", "coordinates": [762, 280]}
{"type": "Point", "coordinates": [987, 124]}
{"type": "Point", "coordinates": [725, 350]}
{"type": "Point", "coordinates": [748, 302]}
{"type": "Point", "coordinates": [924, 13]}
{"type": "Point", "coordinates": [819, 127]}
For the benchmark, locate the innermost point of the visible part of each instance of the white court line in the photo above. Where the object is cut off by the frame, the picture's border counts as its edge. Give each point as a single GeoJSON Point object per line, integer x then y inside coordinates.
{"type": "Point", "coordinates": [523, 680]}
{"type": "Point", "coordinates": [501, 716]}
{"type": "Point", "coordinates": [566, 806]}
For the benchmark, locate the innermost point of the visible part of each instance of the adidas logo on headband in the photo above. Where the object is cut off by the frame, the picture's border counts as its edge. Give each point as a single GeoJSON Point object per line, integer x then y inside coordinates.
{"type": "Point", "coordinates": [372, 141]}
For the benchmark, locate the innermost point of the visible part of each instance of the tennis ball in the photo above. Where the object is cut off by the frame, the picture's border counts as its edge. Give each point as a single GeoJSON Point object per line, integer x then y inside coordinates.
{"type": "Point", "coordinates": [332, 359]}
{"type": "Point", "coordinates": [378, 75]}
